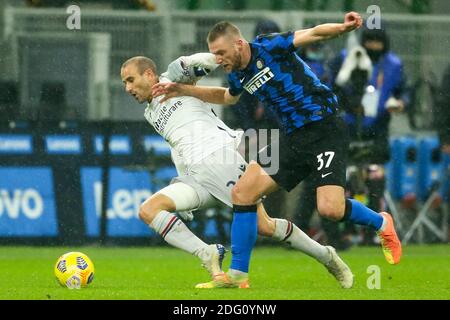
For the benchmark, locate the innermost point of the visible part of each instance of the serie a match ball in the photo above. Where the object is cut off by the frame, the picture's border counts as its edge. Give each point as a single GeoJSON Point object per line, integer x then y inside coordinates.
{"type": "Point", "coordinates": [74, 270]}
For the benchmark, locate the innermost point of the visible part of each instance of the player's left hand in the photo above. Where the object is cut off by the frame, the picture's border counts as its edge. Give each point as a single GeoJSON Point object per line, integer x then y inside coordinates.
{"type": "Point", "coordinates": [352, 21]}
{"type": "Point", "coordinates": [167, 89]}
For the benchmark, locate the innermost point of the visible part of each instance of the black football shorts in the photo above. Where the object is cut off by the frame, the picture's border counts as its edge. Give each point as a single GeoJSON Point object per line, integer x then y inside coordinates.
{"type": "Point", "coordinates": [318, 151]}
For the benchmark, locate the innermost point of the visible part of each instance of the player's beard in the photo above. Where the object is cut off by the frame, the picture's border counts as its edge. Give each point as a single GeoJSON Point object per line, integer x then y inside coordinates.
{"type": "Point", "coordinates": [237, 62]}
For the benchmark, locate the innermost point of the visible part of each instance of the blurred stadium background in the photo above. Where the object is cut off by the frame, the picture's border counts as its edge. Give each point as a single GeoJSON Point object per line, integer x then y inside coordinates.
{"type": "Point", "coordinates": [62, 102]}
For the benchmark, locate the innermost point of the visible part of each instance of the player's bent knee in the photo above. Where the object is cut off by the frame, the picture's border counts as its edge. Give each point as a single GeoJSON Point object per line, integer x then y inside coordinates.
{"type": "Point", "coordinates": [242, 194]}
{"type": "Point", "coordinates": [150, 208]}
{"type": "Point", "coordinates": [332, 210]}
{"type": "Point", "coordinates": [145, 214]}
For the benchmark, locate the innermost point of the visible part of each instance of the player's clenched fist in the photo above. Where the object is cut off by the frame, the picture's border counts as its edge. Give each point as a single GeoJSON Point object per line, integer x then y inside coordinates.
{"type": "Point", "coordinates": [352, 21]}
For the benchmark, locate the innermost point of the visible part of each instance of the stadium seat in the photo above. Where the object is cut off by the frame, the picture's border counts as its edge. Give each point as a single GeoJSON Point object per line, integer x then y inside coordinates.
{"type": "Point", "coordinates": [434, 174]}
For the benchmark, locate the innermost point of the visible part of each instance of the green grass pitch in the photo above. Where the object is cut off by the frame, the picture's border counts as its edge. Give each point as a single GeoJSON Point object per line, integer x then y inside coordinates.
{"type": "Point", "coordinates": [160, 273]}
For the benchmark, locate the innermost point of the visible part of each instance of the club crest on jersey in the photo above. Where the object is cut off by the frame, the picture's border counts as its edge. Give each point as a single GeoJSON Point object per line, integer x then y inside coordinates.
{"type": "Point", "coordinates": [259, 64]}
{"type": "Point", "coordinates": [259, 80]}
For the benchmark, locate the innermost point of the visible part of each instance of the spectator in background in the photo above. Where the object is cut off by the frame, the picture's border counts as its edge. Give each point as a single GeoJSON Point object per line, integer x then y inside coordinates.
{"type": "Point", "coordinates": [370, 85]}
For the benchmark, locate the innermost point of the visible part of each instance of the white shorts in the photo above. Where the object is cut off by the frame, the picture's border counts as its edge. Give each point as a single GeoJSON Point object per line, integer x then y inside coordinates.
{"type": "Point", "coordinates": [208, 181]}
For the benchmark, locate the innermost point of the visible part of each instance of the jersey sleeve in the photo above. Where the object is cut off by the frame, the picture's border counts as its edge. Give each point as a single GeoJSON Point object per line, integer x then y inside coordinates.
{"type": "Point", "coordinates": [277, 43]}
{"type": "Point", "coordinates": [189, 69]}
{"type": "Point", "coordinates": [204, 60]}
{"type": "Point", "coordinates": [234, 85]}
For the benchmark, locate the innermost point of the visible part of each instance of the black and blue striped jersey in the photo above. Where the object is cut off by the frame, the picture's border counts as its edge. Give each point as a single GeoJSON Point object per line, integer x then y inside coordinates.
{"type": "Point", "coordinates": [278, 77]}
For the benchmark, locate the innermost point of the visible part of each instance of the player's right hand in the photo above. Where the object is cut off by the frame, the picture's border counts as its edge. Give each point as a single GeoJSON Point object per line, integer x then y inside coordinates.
{"type": "Point", "coordinates": [352, 21]}
{"type": "Point", "coordinates": [167, 89]}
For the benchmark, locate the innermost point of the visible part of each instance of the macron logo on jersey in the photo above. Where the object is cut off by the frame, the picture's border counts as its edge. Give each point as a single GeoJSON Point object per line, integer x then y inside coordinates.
{"type": "Point", "coordinates": [258, 80]}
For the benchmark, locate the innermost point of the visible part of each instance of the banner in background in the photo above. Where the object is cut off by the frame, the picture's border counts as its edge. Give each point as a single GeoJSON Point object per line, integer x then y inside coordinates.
{"type": "Point", "coordinates": [27, 202]}
{"type": "Point", "coordinates": [16, 144]}
{"type": "Point", "coordinates": [157, 144]}
{"type": "Point", "coordinates": [128, 189]}
{"type": "Point", "coordinates": [118, 145]}
{"type": "Point", "coordinates": [63, 144]}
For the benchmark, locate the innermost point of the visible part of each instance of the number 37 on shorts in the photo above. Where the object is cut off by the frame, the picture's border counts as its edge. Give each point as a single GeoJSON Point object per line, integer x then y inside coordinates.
{"type": "Point", "coordinates": [324, 160]}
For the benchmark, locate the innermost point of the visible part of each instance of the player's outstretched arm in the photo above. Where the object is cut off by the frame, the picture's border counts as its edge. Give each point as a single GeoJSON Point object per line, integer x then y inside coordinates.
{"type": "Point", "coordinates": [217, 95]}
{"type": "Point", "coordinates": [352, 21]}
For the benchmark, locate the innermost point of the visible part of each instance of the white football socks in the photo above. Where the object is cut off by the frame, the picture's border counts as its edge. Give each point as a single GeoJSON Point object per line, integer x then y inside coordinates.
{"type": "Point", "coordinates": [175, 233]}
{"type": "Point", "coordinates": [288, 232]}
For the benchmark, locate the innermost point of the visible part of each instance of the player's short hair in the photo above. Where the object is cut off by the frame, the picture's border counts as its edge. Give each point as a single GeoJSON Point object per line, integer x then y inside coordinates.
{"type": "Point", "coordinates": [221, 29]}
{"type": "Point", "coordinates": [142, 63]}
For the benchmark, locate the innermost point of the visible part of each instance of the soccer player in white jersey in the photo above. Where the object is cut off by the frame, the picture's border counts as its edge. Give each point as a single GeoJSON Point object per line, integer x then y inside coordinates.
{"type": "Point", "coordinates": [205, 154]}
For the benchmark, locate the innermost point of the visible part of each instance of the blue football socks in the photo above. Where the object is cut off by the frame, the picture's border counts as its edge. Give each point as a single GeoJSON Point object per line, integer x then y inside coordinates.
{"type": "Point", "coordinates": [358, 213]}
{"type": "Point", "coordinates": [244, 231]}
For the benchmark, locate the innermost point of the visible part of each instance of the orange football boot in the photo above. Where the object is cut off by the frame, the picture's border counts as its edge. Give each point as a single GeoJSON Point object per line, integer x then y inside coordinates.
{"type": "Point", "coordinates": [224, 280]}
{"type": "Point", "coordinates": [390, 243]}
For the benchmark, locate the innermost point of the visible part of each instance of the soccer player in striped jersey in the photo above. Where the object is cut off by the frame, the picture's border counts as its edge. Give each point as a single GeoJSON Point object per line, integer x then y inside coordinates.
{"type": "Point", "coordinates": [314, 139]}
{"type": "Point", "coordinates": [205, 154]}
